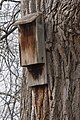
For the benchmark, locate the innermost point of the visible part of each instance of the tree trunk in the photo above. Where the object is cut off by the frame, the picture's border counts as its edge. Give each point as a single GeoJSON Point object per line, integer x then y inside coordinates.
{"type": "Point", "coordinates": [60, 99]}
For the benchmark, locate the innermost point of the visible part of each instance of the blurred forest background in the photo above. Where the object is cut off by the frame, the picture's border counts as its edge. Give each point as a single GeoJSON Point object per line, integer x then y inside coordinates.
{"type": "Point", "coordinates": [10, 71]}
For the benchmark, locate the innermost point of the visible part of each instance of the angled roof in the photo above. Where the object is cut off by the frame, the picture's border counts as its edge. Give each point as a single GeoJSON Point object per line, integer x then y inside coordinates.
{"type": "Point", "coordinates": [27, 19]}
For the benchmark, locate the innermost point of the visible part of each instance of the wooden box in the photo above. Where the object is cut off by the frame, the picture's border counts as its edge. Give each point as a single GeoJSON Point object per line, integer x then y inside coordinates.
{"type": "Point", "coordinates": [32, 48]}
{"type": "Point", "coordinates": [31, 39]}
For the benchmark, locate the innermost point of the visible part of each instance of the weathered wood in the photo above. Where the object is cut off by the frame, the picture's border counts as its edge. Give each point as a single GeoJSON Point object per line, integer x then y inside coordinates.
{"type": "Point", "coordinates": [31, 39]}
{"type": "Point", "coordinates": [32, 48]}
{"type": "Point", "coordinates": [27, 44]}
{"type": "Point", "coordinates": [28, 18]}
{"type": "Point", "coordinates": [37, 75]}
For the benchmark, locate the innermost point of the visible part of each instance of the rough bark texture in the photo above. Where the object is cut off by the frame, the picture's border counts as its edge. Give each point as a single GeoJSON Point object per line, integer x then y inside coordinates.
{"type": "Point", "coordinates": [60, 100]}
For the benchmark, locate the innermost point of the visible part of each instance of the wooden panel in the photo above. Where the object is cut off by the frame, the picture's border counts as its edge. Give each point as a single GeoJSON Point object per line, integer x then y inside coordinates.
{"type": "Point", "coordinates": [41, 39]}
{"type": "Point", "coordinates": [37, 74]}
{"type": "Point", "coordinates": [28, 43]}
{"type": "Point", "coordinates": [28, 18]}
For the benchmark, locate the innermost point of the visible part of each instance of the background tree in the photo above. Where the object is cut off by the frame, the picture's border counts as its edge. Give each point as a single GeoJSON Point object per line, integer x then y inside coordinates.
{"type": "Point", "coordinates": [10, 72]}
{"type": "Point", "coordinates": [60, 100]}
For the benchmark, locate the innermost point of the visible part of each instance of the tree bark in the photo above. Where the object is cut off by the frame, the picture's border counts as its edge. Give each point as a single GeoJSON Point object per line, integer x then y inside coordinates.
{"type": "Point", "coordinates": [60, 99]}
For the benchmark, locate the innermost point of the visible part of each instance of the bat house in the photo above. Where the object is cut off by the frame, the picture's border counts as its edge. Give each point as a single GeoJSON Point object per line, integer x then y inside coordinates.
{"type": "Point", "coordinates": [32, 48]}
{"type": "Point", "coordinates": [31, 39]}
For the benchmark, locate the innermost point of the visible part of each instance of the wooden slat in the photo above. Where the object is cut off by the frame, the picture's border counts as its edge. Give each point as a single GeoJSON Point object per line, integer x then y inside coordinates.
{"type": "Point", "coordinates": [28, 52]}
{"type": "Point", "coordinates": [37, 74]}
{"type": "Point", "coordinates": [32, 43]}
{"type": "Point", "coordinates": [28, 18]}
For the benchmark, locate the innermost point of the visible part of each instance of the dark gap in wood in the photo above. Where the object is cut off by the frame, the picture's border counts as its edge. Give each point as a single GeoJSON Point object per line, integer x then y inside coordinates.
{"type": "Point", "coordinates": [36, 70]}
